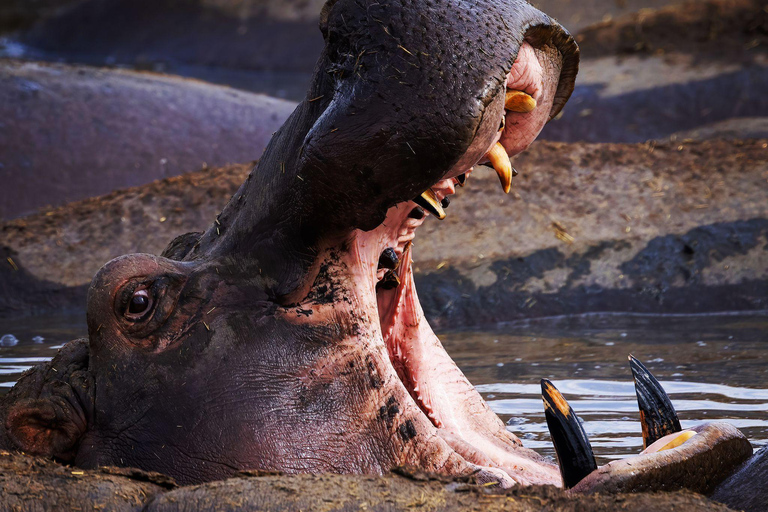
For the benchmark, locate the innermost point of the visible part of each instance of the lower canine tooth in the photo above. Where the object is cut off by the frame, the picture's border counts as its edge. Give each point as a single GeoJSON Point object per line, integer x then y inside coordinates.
{"type": "Point", "coordinates": [657, 414]}
{"type": "Point", "coordinates": [518, 101]}
{"type": "Point", "coordinates": [572, 447]}
{"type": "Point", "coordinates": [500, 162]}
{"type": "Point", "coordinates": [428, 200]}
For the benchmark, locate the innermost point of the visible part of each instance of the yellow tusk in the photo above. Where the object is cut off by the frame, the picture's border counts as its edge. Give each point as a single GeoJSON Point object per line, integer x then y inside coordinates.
{"type": "Point", "coordinates": [500, 162]}
{"type": "Point", "coordinates": [518, 101]}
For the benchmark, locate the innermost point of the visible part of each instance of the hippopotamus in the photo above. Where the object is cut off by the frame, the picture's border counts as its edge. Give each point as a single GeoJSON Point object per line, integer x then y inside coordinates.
{"type": "Point", "coordinates": [289, 335]}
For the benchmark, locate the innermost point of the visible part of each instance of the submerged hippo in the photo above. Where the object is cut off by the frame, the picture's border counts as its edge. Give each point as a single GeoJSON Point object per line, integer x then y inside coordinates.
{"type": "Point", "coordinates": [289, 336]}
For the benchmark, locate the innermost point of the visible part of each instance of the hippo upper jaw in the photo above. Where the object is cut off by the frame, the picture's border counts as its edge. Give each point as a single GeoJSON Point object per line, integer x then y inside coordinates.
{"type": "Point", "coordinates": [389, 113]}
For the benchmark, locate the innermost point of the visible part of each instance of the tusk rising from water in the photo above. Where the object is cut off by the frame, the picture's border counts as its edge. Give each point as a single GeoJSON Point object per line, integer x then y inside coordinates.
{"type": "Point", "coordinates": [428, 200]}
{"type": "Point", "coordinates": [500, 162]}
{"type": "Point", "coordinates": [461, 179]}
{"type": "Point", "coordinates": [657, 415]}
{"type": "Point", "coordinates": [572, 447]}
{"type": "Point", "coordinates": [518, 101]}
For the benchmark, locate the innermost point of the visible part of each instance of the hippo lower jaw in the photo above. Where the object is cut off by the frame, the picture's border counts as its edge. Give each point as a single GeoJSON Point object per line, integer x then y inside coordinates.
{"type": "Point", "coordinates": [381, 263]}
{"type": "Point", "coordinates": [455, 431]}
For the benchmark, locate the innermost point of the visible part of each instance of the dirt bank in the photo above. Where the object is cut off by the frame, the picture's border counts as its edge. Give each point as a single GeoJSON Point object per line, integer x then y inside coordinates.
{"type": "Point", "coordinates": [664, 73]}
{"type": "Point", "coordinates": [67, 133]}
{"type": "Point", "coordinates": [655, 228]}
{"type": "Point", "coordinates": [588, 227]}
{"type": "Point", "coordinates": [36, 484]}
{"type": "Point", "coordinates": [55, 253]}
{"type": "Point", "coordinates": [713, 30]}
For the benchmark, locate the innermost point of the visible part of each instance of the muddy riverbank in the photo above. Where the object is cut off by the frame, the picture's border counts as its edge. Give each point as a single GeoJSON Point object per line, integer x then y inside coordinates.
{"type": "Point", "coordinates": [36, 484]}
{"type": "Point", "coordinates": [652, 228]}
{"type": "Point", "coordinates": [658, 74]}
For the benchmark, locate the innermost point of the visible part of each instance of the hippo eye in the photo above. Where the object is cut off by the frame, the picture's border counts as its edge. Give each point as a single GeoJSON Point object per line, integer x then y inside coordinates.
{"type": "Point", "coordinates": [138, 305]}
{"type": "Point", "coordinates": [144, 303]}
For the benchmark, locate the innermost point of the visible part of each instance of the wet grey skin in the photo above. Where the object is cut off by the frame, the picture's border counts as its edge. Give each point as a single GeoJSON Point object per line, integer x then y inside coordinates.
{"type": "Point", "coordinates": [266, 342]}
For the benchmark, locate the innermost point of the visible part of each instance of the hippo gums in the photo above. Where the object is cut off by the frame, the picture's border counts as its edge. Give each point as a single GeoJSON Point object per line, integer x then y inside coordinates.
{"type": "Point", "coordinates": [289, 335]}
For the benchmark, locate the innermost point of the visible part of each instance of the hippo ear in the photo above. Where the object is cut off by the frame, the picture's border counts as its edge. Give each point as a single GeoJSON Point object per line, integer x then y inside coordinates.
{"type": "Point", "coordinates": [45, 412]}
{"type": "Point", "coordinates": [181, 246]}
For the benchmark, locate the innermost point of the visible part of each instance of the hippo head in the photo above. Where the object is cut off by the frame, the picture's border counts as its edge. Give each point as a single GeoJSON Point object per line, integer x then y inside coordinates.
{"type": "Point", "coordinates": [289, 335]}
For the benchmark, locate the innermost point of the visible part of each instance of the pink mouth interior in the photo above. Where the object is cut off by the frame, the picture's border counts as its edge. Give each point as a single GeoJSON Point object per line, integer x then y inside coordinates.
{"type": "Point", "coordinates": [436, 384]}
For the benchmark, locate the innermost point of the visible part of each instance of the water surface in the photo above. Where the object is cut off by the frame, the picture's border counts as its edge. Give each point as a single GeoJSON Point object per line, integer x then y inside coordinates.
{"type": "Point", "coordinates": [714, 367]}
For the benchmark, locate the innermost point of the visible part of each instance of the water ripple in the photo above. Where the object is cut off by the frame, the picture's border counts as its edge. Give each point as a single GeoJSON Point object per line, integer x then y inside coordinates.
{"type": "Point", "coordinates": [612, 388]}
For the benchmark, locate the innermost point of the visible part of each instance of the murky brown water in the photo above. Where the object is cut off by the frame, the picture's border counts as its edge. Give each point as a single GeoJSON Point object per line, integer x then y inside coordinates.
{"type": "Point", "coordinates": [713, 367]}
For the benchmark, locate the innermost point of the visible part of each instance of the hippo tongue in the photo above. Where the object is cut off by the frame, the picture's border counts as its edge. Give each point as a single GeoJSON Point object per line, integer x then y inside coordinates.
{"type": "Point", "coordinates": [438, 386]}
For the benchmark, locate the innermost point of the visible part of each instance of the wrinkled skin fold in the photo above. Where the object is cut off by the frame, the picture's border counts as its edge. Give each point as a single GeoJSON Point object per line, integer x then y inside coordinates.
{"type": "Point", "coordinates": [284, 338]}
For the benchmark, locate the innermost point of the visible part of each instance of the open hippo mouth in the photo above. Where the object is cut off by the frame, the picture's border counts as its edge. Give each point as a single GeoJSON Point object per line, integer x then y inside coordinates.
{"type": "Point", "coordinates": [289, 336]}
{"type": "Point", "coordinates": [383, 259]}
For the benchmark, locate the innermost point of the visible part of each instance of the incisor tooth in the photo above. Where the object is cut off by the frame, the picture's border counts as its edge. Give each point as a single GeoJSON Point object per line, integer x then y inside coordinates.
{"type": "Point", "coordinates": [500, 162]}
{"type": "Point", "coordinates": [518, 101]}
{"type": "Point", "coordinates": [428, 200]}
